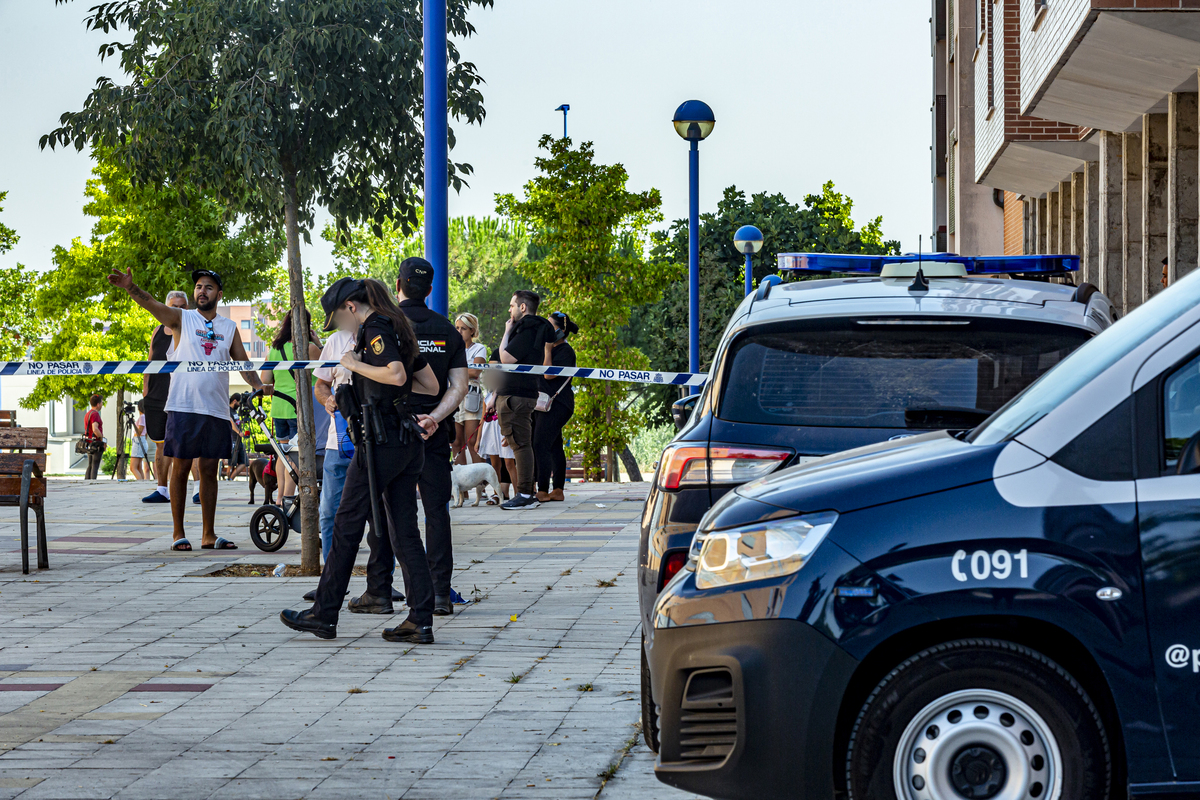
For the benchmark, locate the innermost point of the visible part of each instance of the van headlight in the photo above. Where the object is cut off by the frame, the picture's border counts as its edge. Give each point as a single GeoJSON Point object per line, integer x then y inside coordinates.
{"type": "Point", "coordinates": [762, 550]}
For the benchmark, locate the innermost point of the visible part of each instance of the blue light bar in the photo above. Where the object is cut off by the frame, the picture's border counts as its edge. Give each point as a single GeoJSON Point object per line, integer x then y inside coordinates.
{"type": "Point", "coordinates": [978, 265]}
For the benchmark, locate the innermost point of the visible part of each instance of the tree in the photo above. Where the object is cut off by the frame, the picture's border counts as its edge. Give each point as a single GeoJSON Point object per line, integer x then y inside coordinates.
{"type": "Point", "coordinates": [593, 232]}
{"type": "Point", "coordinates": [824, 225]}
{"type": "Point", "coordinates": [18, 328]}
{"type": "Point", "coordinates": [274, 107]}
{"type": "Point", "coordinates": [143, 228]}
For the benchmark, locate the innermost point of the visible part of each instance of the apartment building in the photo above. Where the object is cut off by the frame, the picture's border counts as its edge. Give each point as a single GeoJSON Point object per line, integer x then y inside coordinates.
{"type": "Point", "coordinates": [968, 217]}
{"type": "Point", "coordinates": [1087, 117]}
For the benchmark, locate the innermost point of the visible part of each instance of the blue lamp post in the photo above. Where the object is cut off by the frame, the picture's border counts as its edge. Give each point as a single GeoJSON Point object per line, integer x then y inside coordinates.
{"type": "Point", "coordinates": [694, 121]}
{"type": "Point", "coordinates": [437, 212]}
{"type": "Point", "coordinates": [564, 108]}
{"type": "Point", "coordinates": [749, 240]}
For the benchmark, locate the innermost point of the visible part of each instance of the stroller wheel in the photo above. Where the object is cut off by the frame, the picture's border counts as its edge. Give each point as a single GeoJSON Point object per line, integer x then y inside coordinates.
{"type": "Point", "coordinates": [269, 528]}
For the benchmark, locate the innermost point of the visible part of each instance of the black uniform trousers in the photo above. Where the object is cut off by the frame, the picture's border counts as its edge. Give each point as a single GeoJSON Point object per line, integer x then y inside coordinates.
{"type": "Point", "coordinates": [398, 468]}
{"type": "Point", "coordinates": [548, 452]}
{"type": "Point", "coordinates": [436, 489]}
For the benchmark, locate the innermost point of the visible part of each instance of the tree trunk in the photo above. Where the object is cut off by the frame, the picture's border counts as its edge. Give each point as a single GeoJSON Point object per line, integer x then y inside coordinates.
{"type": "Point", "coordinates": [608, 452]}
{"type": "Point", "coordinates": [120, 433]}
{"type": "Point", "coordinates": [631, 465]}
{"type": "Point", "coordinates": [310, 533]}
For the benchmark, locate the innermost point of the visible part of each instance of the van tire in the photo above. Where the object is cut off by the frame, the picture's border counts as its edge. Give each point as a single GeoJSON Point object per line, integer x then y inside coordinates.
{"type": "Point", "coordinates": [894, 717]}
{"type": "Point", "coordinates": [649, 712]}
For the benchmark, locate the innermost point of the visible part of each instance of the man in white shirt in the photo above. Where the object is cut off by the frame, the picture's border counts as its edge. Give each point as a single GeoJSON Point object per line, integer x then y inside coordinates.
{"type": "Point", "coordinates": [198, 402]}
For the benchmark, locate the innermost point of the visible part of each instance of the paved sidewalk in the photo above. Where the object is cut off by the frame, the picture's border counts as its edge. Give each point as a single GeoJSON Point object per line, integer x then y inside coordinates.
{"type": "Point", "coordinates": [246, 708]}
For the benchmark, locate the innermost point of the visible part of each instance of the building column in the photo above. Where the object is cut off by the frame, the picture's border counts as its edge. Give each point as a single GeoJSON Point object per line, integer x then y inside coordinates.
{"type": "Point", "coordinates": [1131, 220]}
{"type": "Point", "coordinates": [1090, 257]}
{"type": "Point", "coordinates": [1154, 201]}
{"type": "Point", "coordinates": [1077, 195]}
{"type": "Point", "coordinates": [1183, 169]}
{"type": "Point", "coordinates": [1026, 225]}
{"type": "Point", "coordinates": [1111, 253]}
{"type": "Point", "coordinates": [1053, 201]}
{"type": "Point", "coordinates": [1041, 225]}
{"type": "Point", "coordinates": [1064, 217]}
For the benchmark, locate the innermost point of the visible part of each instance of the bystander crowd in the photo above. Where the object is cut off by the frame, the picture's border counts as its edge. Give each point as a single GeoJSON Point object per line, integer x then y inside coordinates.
{"type": "Point", "coordinates": [525, 338]}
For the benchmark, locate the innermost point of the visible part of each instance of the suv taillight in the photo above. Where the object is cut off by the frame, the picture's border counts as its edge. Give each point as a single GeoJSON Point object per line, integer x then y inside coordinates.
{"type": "Point", "coordinates": [684, 466]}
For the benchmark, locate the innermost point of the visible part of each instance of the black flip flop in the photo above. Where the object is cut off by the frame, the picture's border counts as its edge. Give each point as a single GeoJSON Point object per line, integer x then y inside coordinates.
{"type": "Point", "coordinates": [220, 544]}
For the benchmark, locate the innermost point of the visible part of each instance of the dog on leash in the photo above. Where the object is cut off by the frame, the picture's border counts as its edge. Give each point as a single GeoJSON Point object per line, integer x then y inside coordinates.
{"type": "Point", "coordinates": [466, 477]}
{"type": "Point", "coordinates": [259, 475]}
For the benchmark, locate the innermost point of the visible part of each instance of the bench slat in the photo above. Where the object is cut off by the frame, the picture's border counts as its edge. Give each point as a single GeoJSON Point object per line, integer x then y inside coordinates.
{"type": "Point", "coordinates": [13, 463]}
{"type": "Point", "coordinates": [27, 438]}
{"type": "Point", "coordinates": [11, 485]}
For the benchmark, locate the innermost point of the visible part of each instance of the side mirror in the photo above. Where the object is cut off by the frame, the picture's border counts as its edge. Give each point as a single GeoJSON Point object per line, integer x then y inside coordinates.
{"type": "Point", "coordinates": [681, 410]}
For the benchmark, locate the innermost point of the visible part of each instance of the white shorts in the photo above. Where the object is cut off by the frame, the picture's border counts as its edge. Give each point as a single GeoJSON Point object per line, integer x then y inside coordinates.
{"type": "Point", "coordinates": [489, 441]}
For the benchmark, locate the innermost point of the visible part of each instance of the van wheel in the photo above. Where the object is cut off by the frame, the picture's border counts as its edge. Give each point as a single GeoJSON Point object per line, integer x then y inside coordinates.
{"type": "Point", "coordinates": [978, 719]}
{"type": "Point", "coordinates": [649, 712]}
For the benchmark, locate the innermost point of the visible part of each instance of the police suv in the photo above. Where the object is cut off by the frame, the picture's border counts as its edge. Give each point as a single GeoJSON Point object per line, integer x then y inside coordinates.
{"type": "Point", "coordinates": [1003, 612]}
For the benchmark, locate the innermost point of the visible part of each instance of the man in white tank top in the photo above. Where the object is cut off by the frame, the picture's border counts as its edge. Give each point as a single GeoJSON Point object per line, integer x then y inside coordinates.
{"type": "Point", "coordinates": [198, 402]}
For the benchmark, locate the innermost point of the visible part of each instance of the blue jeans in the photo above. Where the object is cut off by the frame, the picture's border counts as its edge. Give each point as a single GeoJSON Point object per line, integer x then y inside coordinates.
{"type": "Point", "coordinates": [333, 478]}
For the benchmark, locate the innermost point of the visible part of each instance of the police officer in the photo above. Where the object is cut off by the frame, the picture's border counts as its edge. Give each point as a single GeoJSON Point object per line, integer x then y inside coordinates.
{"type": "Point", "coordinates": [387, 365]}
{"type": "Point", "coordinates": [443, 348]}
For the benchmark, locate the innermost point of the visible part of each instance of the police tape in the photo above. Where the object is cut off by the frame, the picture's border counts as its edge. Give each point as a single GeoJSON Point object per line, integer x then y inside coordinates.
{"type": "Point", "coordinates": [92, 368]}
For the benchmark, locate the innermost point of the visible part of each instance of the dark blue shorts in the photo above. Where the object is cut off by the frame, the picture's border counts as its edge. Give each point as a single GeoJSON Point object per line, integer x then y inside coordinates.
{"type": "Point", "coordinates": [196, 436]}
{"type": "Point", "coordinates": [284, 428]}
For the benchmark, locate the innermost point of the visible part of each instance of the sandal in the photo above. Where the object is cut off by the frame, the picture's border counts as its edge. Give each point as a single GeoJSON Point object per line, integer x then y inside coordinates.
{"type": "Point", "coordinates": [220, 544]}
{"type": "Point", "coordinates": [493, 501]}
{"type": "Point", "coordinates": [181, 545]}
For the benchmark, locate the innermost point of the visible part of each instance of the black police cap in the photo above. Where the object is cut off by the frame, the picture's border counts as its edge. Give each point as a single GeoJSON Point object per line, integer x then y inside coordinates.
{"type": "Point", "coordinates": [337, 294]}
{"type": "Point", "coordinates": [417, 272]}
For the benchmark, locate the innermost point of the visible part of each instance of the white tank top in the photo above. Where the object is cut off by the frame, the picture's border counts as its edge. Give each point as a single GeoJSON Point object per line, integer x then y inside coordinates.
{"type": "Point", "coordinates": [202, 392]}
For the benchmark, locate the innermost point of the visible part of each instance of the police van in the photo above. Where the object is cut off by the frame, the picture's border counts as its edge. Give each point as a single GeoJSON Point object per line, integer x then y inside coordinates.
{"type": "Point", "coordinates": [1003, 612]}
{"type": "Point", "coordinates": [875, 348]}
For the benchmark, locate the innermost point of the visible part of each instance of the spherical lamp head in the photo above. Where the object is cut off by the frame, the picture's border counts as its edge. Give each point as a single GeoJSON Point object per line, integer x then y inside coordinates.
{"type": "Point", "coordinates": [694, 120]}
{"type": "Point", "coordinates": [748, 239]}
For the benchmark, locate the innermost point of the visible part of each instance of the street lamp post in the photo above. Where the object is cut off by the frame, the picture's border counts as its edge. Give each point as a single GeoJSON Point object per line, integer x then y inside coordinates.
{"type": "Point", "coordinates": [694, 121]}
{"type": "Point", "coordinates": [564, 108]}
{"type": "Point", "coordinates": [749, 240]}
{"type": "Point", "coordinates": [437, 212]}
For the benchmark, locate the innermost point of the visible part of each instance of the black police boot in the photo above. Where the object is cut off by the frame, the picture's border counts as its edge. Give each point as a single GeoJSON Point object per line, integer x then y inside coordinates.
{"type": "Point", "coordinates": [397, 597]}
{"type": "Point", "coordinates": [312, 596]}
{"type": "Point", "coordinates": [370, 604]}
{"type": "Point", "coordinates": [442, 607]}
{"type": "Point", "coordinates": [408, 631]}
{"type": "Point", "coordinates": [307, 622]}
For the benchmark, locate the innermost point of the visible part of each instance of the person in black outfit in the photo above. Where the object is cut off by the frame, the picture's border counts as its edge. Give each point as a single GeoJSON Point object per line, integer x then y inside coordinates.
{"type": "Point", "coordinates": [548, 426]}
{"type": "Point", "coordinates": [524, 342]}
{"type": "Point", "coordinates": [442, 347]}
{"type": "Point", "coordinates": [387, 365]}
{"type": "Point", "coordinates": [154, 396]}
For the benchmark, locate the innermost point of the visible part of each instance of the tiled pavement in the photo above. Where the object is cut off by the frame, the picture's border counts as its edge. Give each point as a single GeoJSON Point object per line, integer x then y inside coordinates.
{"type": "Point", "coordinates": [247, 708]}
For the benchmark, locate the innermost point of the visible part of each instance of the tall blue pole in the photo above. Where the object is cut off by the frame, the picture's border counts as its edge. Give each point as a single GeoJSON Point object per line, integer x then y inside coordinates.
{"type": "Point", "coordinates": [694, 260]}
{"type": "Point", "coordinates": [437, 212]}
{"type": "Point", "coordinates": [749, 274]}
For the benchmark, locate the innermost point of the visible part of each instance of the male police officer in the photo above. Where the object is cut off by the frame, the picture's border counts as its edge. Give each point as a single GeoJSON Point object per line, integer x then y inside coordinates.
{"type": "Point", "coordinates": [442, 347]}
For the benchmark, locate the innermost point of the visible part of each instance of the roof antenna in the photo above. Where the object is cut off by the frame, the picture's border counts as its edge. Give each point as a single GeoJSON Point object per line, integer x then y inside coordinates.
{"type": "Point", "coordinates": [920, 282]}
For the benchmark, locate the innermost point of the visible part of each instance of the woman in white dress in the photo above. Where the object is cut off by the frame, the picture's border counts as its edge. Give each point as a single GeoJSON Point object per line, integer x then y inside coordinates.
{"type": "Point", "coordinates": [492, 445]}
{"type": "Point", "coordinates": [467, 421]}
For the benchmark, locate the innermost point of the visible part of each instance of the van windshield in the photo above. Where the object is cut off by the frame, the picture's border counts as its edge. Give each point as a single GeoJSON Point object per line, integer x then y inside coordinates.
{"type": "Point", "coordinates": [875, 372]}
{"type": "Point", "coordinates": [1092, 359]}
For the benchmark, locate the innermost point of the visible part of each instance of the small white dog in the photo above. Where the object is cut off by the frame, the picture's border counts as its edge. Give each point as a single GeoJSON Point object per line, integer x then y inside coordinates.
{"type": "Point", "coordinates": [466, 477]}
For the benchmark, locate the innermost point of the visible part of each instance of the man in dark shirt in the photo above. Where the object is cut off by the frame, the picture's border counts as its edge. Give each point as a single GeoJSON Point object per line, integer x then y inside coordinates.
{"type": "Point", "coordinates": [441, 346]}
{"type": "Point", "coordinates": [525, 338]}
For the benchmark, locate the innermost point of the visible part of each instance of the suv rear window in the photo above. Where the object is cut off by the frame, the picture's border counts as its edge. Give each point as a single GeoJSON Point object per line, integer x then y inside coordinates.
{"type": "Point", "coordinates": [868, 372]}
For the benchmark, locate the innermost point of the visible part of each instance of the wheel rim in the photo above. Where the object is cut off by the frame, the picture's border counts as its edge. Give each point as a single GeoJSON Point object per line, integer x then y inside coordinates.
{"type": "Point", "coordinates": [977, 744]}
{"type": "Point", "coordinates": [270, 527]}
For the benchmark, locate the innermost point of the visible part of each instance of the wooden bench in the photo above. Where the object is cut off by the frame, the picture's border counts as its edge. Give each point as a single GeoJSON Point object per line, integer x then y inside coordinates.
{"type": "Point", "coordinates": [23, 484]}
{"type": "Point", "coordinates": [8, 419]}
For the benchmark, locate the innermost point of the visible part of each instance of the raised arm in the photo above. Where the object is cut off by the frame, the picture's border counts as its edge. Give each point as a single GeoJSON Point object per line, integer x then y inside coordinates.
{"type": "Point", "coordinates": [169, 316]}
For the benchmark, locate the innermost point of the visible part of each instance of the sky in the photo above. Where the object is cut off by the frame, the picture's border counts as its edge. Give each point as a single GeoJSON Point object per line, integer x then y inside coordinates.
{"type": "Point", "coordinates": [804, 91]}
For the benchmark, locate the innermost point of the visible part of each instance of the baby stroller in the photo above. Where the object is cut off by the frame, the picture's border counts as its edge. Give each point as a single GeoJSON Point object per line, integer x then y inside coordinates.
{"type": "Point", "coordinates": [270, 524]}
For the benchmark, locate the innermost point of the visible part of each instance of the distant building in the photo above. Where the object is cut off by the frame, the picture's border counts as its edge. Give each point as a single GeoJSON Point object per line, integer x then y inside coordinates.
{"type": "Point", "coordinates": [1087, 118]}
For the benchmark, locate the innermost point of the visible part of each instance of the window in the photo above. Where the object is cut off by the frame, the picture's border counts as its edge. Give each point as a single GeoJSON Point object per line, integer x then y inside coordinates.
{"type": "Point", "coordinates": [886, 373]}
{"type": "Point", "coordinates": [1181, 410]}
{"type": "Point", "coordinates": [1039, 13]}
{"type": "Point", "coordinates": [246, 324]}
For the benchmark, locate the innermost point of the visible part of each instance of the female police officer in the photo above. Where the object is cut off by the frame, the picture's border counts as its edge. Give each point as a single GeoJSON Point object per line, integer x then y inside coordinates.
{"type": "Point", "coordinates": [386, 364]}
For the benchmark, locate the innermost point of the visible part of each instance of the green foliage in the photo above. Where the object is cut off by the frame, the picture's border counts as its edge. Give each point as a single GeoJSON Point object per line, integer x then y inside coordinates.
{"type": "Point", "coordinates": [593, 233]}
{"type": "Point", "coordinates": [144, 229]}
{"type": "Point", "coordinates": [275, 103]}
{"type": "Point", "coordinates": [18, 328]}
{"type": "Point", "coordinates": [648, 445]}
{"type": "Point", "coordinates": [823, 225]}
